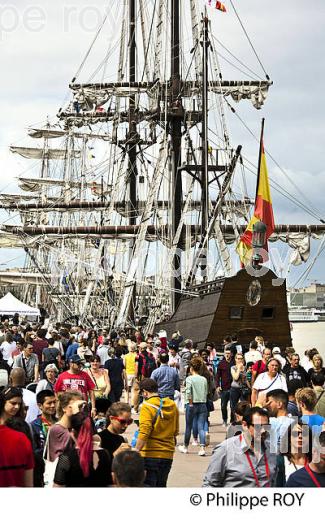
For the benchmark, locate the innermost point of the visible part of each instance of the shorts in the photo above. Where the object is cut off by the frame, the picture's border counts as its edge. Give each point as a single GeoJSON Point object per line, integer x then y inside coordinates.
{"type": "Point", "coordinates": [130, 379]}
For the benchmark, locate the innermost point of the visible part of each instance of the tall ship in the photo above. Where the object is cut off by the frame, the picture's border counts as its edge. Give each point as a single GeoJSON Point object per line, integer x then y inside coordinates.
{"type": "Point", "coordinates": [138, 196]}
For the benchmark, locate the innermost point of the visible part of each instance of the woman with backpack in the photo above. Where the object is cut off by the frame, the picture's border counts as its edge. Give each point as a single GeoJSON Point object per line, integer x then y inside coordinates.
{"type": "Point", "coordinates": [50, 355]}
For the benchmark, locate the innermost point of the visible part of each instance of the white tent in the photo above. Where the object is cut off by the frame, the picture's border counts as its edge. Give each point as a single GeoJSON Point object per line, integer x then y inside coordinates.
{"type": "Point", "coordinates": [10, 305]}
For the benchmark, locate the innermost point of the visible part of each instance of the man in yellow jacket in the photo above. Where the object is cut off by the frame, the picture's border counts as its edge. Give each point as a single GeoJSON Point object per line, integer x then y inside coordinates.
{"type": "Point", "coordinates": [158, 430]}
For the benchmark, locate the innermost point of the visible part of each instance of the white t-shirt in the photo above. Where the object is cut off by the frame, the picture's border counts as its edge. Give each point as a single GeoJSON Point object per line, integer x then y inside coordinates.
{"type": "Point", "coordinates": [173, 360]}
{"type": "Point", "coordinates": [7, 349]}
{"type": "Point", "coordinates": [102, 352]}
{"type": "Point", "coordinates": [290, 467]}
{"type": "Point", "coordinates": [4, 378]}
{"type": "Point", "coordinates": [264, 383]}
{"type": "Point", "coordinates": [306, 363]}
{"type": "Point", "coordinates": [280, 358]}
{"type": "Point", "coordinates": [29, 399]}
{"type": "Point", "coordinates": [252, 356]}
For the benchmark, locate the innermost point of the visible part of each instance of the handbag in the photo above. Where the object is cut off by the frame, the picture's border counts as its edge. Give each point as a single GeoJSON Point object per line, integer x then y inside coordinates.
{"type": "Point", "coordinates": [210, 405]}
{"type": "Point", "coordinates": [216, 395]}
{"type": "Point", "coordinates": [50, 466]}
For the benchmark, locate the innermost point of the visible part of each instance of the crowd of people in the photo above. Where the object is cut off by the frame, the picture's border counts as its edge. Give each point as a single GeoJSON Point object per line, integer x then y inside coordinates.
{"type": "Point", "coordinates": [69, 393]}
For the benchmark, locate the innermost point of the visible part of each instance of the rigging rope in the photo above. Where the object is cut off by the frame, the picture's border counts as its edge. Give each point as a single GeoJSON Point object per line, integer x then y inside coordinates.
{"type": "Point", "coordinates": [235, 57]}
{"type": "Point", "coordinates": [91, 46]}
{"type": "Point", "coordinates": [249, 40]}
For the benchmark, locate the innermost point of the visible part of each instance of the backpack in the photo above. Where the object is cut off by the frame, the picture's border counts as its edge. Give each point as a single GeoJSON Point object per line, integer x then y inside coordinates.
{"type": "Point", "coordinates": [158, 413]}
{"type": "Point", "coordinates": [148, 364]}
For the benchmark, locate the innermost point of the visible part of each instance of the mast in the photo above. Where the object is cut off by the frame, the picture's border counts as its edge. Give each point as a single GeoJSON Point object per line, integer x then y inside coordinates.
{"type": "Point", "coordinates": [132, 138]}
{"type": "Point", "coordinates": [176, 141]}
{"type": "Point", "coordinates": [132, 134]}
{"type": "Point", "coordinates": [205, 173]}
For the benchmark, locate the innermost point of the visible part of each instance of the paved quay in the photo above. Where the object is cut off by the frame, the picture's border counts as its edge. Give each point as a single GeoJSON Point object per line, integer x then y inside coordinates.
{"type": "Point", "coordinates": [188, 469]}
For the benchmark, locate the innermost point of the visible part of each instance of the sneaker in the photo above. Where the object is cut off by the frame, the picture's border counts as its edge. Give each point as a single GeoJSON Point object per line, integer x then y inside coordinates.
{"type": "Point", "coordinates": [201, 452]}
{"type": "Point", "coordinates": [183, 449]}
{"type": "Point", "coordinates": [225, 425]}
{"type": "Point", "coordinates": [195, 443]}
{"type": "Point", "coordinates": [207, 439]}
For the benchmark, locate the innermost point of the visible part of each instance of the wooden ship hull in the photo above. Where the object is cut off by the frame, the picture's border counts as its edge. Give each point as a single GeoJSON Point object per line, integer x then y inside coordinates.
{"type": "Point", "coordinates": [241, 304]}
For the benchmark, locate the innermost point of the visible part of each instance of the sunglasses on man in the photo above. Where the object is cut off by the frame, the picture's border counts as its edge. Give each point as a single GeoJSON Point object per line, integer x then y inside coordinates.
{"type": "Point", "coordinates": [123, 422]}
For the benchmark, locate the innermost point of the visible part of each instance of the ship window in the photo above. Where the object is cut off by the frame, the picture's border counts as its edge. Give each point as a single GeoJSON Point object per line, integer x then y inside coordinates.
{"type": "Point", "coordinates": [268, 313]}
{"type": "Point", "coordinates": [236, 313]}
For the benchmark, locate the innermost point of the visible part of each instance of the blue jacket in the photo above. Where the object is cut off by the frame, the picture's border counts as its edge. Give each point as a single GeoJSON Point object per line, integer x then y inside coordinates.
{"type": "Point", "coordinates": [167, 380]}
{"type": "Point", "coordinates": [39, 437]}
{"type": "Point", "coordinates": [71, 351]}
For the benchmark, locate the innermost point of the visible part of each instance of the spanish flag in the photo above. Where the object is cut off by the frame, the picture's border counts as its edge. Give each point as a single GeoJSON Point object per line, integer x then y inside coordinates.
{"type": "Point", "coordinates": [218, 5]}
{"type": "Point", "coordinates": [263, 209]}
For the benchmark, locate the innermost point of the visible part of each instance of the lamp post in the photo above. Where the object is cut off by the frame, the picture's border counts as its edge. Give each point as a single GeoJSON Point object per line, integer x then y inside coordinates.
{"type": "Point", "coordinates": [258, 242]}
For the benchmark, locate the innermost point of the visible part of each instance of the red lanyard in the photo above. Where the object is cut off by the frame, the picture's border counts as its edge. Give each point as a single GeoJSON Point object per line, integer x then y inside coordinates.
{"type": "Point", "coordinates": [312, 476]}
{"type": "Point", "coordinates": [267, 468]}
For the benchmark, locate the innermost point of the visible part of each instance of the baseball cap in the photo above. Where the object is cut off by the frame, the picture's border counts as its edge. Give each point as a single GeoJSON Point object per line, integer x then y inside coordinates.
{"type": "Point", "coordinates": [276, 350]}
{"type": "Point", "coordinates": [76, 359]}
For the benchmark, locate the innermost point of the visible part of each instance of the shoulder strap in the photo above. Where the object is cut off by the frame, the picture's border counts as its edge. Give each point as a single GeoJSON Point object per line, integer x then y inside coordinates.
{"type": "Point", "coordinates": [263, 389]}
{"type": "Point", "coordinates": [46, 451]}
{"type": "Point", "coordinates": [93, 378]}
{"type": "Point", "coordinates": [320, 395]}
{"type": "Point", "coordinates": [24, 364]}
{"type": "Point", "coordinates": [312, 476]}
{"type": "Point", "coordinates": [158, 408]}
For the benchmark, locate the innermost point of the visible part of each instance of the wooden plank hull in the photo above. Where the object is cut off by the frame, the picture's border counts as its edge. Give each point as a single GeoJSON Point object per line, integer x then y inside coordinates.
{"type": "Point", "coordinates": [212, 316]}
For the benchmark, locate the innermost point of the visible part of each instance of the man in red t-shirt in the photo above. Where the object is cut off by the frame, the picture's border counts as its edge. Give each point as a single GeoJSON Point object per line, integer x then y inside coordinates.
{"type": "Point", "coordinates": [260, 366]}
{"type": "Point", "coordinates": [16, 459]}
{"type": "Point", "coordinates": [76, 380]}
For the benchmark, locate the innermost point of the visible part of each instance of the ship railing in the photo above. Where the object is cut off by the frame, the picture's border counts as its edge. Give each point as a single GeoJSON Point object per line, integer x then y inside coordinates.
{"type": "Point", "coordinates": [205, 288]}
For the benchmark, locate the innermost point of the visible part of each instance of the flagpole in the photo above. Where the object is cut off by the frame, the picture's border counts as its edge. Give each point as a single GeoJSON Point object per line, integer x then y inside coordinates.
{"type": "Point", "coordinates": [259, 158]}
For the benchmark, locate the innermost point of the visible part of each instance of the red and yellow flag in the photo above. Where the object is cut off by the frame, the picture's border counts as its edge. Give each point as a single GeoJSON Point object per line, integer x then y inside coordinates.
{"type": "Point", "coordinates": [263, 209]}
{"type": "Point", "coordinates": [218, 5]}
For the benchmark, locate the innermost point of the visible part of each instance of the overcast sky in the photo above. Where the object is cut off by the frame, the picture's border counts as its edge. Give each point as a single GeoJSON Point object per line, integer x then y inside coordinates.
{"type": "Point", "coordinates": [43, 42]}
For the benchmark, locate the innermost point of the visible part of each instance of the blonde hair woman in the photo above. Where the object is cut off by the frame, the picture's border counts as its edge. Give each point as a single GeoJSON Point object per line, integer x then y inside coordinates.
{"type": "Point", "coordinates": [317, 367]}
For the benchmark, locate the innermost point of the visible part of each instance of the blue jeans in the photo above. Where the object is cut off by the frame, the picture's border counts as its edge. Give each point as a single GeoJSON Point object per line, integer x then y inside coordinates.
{"type": "Point", "coordinates": [198, 411]}
{"type": "Point", "coordinates": [157, 471]}
{"type": "Point", "coordinates": [195, 429]}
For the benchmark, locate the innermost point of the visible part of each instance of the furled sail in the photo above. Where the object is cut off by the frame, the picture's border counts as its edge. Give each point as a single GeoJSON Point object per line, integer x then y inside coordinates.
{"type": "Point", "coordinates": [35, 184]}
{"type": "Point", "coordinates": [39, 153]}
{"type": "Point", "coordinates": [41, 133]}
